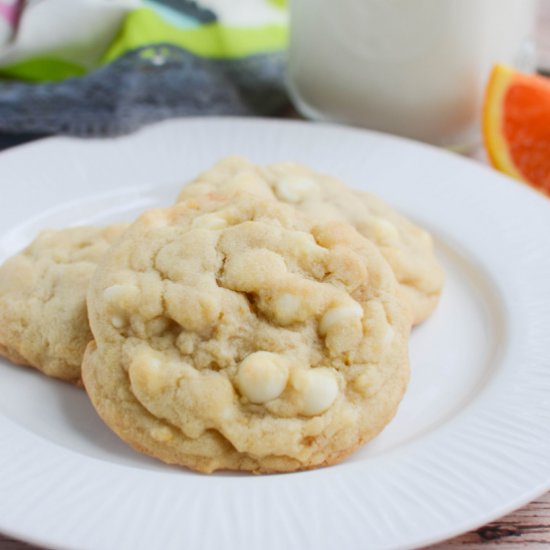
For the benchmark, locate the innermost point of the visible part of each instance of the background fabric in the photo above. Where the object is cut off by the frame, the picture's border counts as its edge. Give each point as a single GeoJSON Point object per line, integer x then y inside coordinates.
{"type": "Point", "coordinates": [105, 67]}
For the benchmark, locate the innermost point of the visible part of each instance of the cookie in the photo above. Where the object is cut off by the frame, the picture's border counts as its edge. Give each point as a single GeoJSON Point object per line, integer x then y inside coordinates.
{"type": "Point", "coordinates": [408, 248]}
{"type": "Point", "coordinates": [43, 319]}
{"type": "Point", "coordinates": [237, 333]}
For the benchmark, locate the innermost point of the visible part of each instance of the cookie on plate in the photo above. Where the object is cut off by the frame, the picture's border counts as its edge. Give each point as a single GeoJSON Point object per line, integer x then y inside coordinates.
{"type": "Point", "coordinates": [236, 333]}
{"type": "Point", "coordinates": [407, 247]}
{"type": "Point", "coordinates": [43, 319]}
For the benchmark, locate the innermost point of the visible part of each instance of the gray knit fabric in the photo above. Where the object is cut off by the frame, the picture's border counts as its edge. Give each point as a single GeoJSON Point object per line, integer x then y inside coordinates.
{"type": "Point", "coordinates": [144, 86]}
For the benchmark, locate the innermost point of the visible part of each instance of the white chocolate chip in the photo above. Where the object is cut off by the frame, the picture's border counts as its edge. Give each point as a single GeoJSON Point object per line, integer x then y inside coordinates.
{"type": "Point", "coordinates": [340, 314]}
{"type": "Point", "coordinates": [262, 376]}
{"type": "Point", "coordinates": [162, 434]}
{"type": "Point", "coordinates": [318, 389]}
{"type": "Point", "coordinates": [145, 372]}
{"type": "Point", "coordinates": [117, 322]}
{"type": "Point", "coordinates": [386, 230]}
{"type": "Point", "coordinates": [287, 307]}
{"type": "Point", "coordinates": [368, 384]}
{"type": "Point", "coordinates": [209, 221]}
{"type": "Point", "coordinates": [293, 189]}
{"type": "Point", "coordinates": [248, 182]}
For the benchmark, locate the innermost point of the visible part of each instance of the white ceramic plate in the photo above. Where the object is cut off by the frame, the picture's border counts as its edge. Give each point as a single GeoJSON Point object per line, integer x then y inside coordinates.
{"type": "Point", "coordinates": [471, 440]}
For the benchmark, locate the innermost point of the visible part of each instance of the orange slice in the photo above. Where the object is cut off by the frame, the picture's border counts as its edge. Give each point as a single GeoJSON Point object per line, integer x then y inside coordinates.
{"type": "Point", "coordinates": [516, 125]}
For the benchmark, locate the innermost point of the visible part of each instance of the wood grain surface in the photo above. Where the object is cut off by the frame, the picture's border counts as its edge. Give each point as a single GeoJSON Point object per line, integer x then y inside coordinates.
{"type": "Point", "coordinates": [528, 528]}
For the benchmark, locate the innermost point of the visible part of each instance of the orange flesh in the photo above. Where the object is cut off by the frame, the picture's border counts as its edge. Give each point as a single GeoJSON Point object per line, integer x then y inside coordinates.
{"type": "Point", "coordinates": [526, 128]}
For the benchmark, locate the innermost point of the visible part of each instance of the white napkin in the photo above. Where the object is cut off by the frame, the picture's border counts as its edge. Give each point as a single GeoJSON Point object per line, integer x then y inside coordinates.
{"type": "Point", "coordinates": [74, 30]}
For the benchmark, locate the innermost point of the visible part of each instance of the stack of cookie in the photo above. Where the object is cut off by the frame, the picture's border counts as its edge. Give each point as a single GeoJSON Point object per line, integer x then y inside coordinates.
{"type": "Point", "coordinates": [261, 323]}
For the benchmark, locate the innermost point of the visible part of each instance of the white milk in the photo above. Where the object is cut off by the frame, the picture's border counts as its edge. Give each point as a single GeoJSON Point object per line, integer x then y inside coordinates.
{"type": "Point", "coordinates": [411, 67]}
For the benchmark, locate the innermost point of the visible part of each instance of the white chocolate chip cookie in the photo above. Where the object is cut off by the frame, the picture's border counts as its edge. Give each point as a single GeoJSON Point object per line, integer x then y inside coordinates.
{"type": "Point", "coordinates": [406, 247]}
{"type": "Point", "coordinates": [43, 319]}
{"type": "Point", "coordinates": [236, 333]}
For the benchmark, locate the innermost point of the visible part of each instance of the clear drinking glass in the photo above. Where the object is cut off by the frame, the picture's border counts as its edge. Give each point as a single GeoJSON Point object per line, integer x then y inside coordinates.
{"type": "Point", "coordinates": [415, 68]}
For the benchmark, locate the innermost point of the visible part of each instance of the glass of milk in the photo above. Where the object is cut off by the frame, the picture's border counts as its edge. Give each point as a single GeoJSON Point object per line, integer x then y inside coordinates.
{"type": "Point", "coordinates": [416, 68]}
